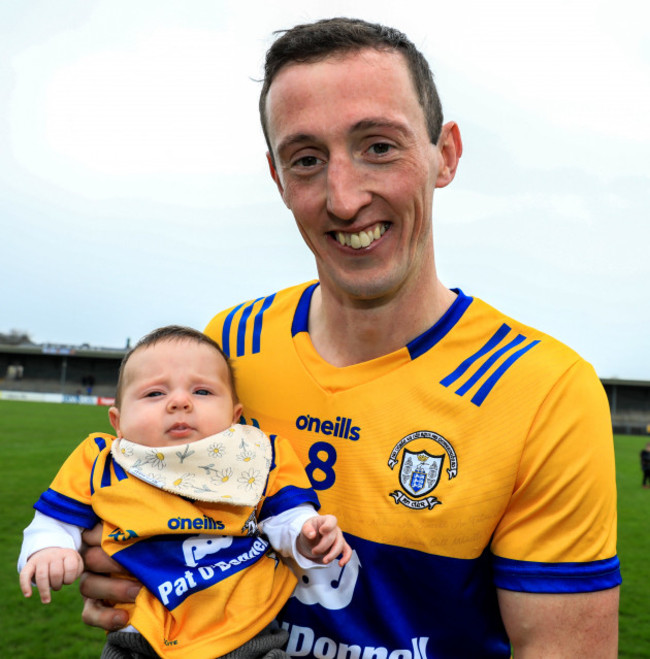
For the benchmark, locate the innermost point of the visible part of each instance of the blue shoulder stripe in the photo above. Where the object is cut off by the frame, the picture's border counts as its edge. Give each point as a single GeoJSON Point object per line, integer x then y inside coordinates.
{"type": "Point", "coordinates": [241, 330]}
{"type": "Point", "coordinates": [492, 342]}
{"type": "Point", "coordinates": [225, 332]}
{"type": "Point", "coordinates": [257, 325]}
{"type": "Point", "coordinates": [242, 326]}
{"type": "Point", "coordinates": [488, 363]}
{"type": "Point", "coordinates": [482, 393]}
{"type": "Point", "coordinates": [65, 509]}
{"type": "Point", "coordinates": [531, 577]}
{"type": "Point", "coordinates": [491, 346]}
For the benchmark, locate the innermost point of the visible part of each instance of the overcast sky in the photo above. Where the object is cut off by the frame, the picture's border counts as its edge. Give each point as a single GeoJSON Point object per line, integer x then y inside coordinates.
{"type": "Point", "coordinates": [134, 190]}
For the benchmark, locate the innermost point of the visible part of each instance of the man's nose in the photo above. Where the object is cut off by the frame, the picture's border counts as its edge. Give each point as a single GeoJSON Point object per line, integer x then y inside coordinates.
{"type": "Point", "coordinates": [347, 187]}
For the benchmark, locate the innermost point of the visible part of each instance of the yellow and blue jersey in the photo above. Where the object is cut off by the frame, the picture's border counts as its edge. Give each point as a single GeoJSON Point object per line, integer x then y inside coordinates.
{"type": "Point", "coordinates": [478, 456]}
{"type": "Point", "coordinates": [212, 581]}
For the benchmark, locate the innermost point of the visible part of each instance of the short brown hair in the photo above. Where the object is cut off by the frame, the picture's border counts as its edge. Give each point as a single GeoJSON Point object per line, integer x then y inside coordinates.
{"type": "Point", "coordinates": [172, 333]}
{"type": "Point", "coordinates": [317, 41]}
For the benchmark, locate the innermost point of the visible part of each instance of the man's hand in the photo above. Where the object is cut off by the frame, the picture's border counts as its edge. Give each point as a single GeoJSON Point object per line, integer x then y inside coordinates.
{"type": "Point", "coordinates": [101, 591]}
{"type": "Point", "coordinates": [321, 540]}
{"type": "Point", "coordinates": [50, 568]}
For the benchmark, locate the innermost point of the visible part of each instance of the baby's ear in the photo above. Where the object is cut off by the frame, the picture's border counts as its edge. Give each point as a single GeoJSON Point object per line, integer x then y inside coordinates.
{"type": "Point", "coordinates": [114, 418]}
{"type": "Point", "coordinates": [236, 413]}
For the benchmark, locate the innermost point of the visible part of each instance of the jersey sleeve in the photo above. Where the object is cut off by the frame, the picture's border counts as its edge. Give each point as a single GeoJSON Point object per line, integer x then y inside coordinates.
{"type": "Point", "coordinates": [68, 497]}
{"type": "Point", "coordinates": [558, 533]}
{"type": "Point", "coordinates": [288, 485]}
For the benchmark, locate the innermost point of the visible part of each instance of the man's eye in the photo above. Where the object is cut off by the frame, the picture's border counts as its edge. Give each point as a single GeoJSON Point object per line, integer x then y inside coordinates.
{"type": "Point", "coordinates": [381, 148]}
{"type": "Point", "coordinates": [306, 161]}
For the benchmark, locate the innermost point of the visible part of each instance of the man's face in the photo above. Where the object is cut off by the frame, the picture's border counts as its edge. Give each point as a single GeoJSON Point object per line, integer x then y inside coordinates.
{"type": "Point", "coordinates": [355, 165]}
{"type": "Point", "coordinates": [175, 392]}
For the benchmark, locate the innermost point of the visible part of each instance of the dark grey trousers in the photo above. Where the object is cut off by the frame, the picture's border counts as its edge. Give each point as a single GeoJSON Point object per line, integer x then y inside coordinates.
{"type": "Point", "coordinates": [267, 644]}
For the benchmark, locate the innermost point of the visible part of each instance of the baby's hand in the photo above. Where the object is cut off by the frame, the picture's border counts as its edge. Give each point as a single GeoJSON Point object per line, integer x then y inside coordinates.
{"type": "Point", "coordinates": [50, 568]}
{"type": "Point", "coordinates": [322, 540]}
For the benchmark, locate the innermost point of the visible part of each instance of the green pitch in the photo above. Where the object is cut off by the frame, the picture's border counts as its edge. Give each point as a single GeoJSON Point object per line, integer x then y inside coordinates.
{"type": "Point", "coordinates": [36, 437]}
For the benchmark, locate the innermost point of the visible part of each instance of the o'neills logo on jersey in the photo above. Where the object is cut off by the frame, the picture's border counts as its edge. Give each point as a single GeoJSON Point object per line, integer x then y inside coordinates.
{"type": "Point", "coordinates": [420, 470]}
{"type": "Point", "coordinates": [342, 427]}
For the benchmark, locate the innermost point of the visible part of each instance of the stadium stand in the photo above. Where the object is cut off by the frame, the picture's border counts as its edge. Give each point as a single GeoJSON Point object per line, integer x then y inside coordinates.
{"type": "Point", "coordinates": [85, 370]}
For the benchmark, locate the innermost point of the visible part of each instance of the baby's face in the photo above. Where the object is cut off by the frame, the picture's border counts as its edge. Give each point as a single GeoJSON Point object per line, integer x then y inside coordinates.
{"type": "Point", "coordinates": [175, 392]}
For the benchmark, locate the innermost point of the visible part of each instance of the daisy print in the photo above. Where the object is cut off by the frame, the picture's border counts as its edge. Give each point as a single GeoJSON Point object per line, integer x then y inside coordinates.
{"type": "Point", "coordinates": [184, 482]}
{"type": "Point", "coordinates": [156, 458]}
{"type": "Point", "coordinates": [216, 450]}
{"type": "Point", "coordinates": [223, 475]}
{"type": "Point", "coordinates": [126, 451]}
{"type": "Point", "coordinates": [247, 479]}
{"type": "Point", "coordinates": [245, 454]}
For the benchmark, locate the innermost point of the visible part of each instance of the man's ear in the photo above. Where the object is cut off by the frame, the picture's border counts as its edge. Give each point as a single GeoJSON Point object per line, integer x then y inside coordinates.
{"type": "Point", "coordinates": [275, 176]}
{"type": "Point", "coordinates": [450, 147]}
{"type": "Point", "coordinates": [114, 418]}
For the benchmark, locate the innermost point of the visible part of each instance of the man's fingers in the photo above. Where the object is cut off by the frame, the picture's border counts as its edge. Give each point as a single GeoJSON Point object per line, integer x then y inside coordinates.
{"type": "Point", "coordinates": [93, 537]}
{"type": "Point", "coordinates": [101, 587]}
{"type": "Point", "coordinates": [97, 614]}
{"type": "Point", "coordinates": [97, 560]}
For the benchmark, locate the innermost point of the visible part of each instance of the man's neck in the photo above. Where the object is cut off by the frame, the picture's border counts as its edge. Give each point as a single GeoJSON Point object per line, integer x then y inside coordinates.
{"type": "Point", "coordinates": [350, 333]}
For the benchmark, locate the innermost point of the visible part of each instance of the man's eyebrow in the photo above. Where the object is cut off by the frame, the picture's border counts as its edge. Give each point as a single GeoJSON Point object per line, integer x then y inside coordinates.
{"type": "Point", "coordinates": [296, 138]}
{"type": "Point", "coordinates": [371, 123]}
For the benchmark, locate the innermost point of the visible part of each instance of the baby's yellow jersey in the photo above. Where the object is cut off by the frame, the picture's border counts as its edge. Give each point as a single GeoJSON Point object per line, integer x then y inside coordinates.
{"type": "Point", "coordinates": [212, 582]}
{"type": "Point", "coordinates": [479, 456]}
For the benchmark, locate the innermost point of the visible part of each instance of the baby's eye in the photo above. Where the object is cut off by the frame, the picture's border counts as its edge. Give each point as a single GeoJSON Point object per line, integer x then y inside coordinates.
{"type": "Point", "coordinates": [153, 394]}
{"type": "Point", "coordinates": [202, 392]}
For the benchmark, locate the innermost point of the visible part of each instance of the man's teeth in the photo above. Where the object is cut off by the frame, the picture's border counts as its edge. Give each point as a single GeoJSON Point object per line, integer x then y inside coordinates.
{"type": "Point", "coordinates": [361, 239]}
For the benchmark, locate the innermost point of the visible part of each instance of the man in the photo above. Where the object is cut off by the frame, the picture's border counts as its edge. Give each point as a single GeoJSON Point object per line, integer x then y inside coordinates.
{"type": "Point", "coordinates": [468, 458]}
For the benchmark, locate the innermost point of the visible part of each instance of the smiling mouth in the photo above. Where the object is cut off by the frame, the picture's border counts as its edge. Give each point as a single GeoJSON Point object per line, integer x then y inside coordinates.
{"type": "Point", "coordinates": [361, 239]}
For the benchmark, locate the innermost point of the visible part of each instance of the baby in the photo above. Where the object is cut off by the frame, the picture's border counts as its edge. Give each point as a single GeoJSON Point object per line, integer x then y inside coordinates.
{"type": "Point", "coordinates": [192, 504]}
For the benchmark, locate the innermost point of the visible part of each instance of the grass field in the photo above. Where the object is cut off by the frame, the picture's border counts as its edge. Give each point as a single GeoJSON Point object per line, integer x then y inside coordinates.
{"type": "Point", "coordinates": [36, 437]}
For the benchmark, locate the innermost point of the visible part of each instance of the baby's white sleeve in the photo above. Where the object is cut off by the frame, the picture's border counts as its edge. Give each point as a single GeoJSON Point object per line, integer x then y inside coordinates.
{"type": "Point", "coordinates": [283, 530]}
{"type": "Point", "coordinates": [45, 532]}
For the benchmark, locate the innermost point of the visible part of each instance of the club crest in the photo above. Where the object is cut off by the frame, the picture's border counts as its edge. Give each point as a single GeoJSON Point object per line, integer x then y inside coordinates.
{"type": "Point", "coordinates": [420, 470]}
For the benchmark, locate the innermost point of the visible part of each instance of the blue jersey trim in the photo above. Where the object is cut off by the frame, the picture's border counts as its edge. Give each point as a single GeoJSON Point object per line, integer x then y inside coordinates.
{"type": "Point", "coordinates": [106, 473]}
{"type": "Point", "coordinates": [119, 471]}
{"type": "Point", "coordinates": [101, 443]}
{"type": "Point", "coordinates": [286, 498]}
{"type": "Point", "coordinates": [494, 340]}
{"type": "Point", "coordinates": [65, 509]}
{"type": "Point", "coordinates": [301, 317]}
{"type": "Point", "coordinates": [241, 329]}
{"type": "Point", "coordinates": [257, 324]}
{"type": "Point", "coordinates": [531, 577]}
{"type": "Point", "coordinates": [433, 335]}
{"type": "Point", "coordinates": [482, 393]}
{"type": "Point", "coordinates": [490, 345]}
{"type": "Point", "coordinates": [463, 389]}
{"type": "Point", "coordinates": [225, 332]}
